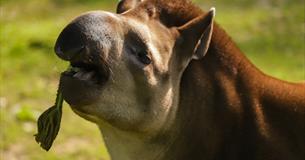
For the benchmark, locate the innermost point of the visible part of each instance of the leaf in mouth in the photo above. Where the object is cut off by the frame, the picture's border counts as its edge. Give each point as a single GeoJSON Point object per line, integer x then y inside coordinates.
{"type": "Point", "coordinates": [49, 123]}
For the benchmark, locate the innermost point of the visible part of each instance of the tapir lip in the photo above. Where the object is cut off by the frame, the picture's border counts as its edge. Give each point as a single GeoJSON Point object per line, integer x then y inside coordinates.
{"type": "Point", "coordinates": [77, 92]}
{"type": "Point", "coordinates": [98, 74]}
{"type": "Point", "coordinates": [83, 83]}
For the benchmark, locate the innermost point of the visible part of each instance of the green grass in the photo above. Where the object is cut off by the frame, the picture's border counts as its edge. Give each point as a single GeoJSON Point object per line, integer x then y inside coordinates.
{"type": "Point", "coordinates": [272, 36]}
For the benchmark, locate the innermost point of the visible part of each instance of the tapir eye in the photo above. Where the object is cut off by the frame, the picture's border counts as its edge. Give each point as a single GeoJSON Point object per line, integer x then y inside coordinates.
{"type": "Point", "coordinates": [143, 57]}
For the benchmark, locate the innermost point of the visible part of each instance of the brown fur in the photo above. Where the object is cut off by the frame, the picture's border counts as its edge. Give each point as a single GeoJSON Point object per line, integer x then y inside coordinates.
{"type": "Point", "coordinates": [174, 13]}
{"type": "Point", "coordinates": [230, 109]}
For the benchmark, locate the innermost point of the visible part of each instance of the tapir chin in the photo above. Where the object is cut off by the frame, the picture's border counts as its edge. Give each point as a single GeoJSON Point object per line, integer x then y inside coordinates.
{"type": "Point", "coordinates": [163, 81]}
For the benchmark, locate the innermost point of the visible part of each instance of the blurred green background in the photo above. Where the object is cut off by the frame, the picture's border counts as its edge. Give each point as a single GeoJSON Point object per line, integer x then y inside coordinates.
{"type": "Point", "coordinates": [270, 32]}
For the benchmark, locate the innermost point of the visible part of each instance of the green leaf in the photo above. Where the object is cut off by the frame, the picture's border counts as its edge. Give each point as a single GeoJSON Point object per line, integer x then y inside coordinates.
{"type": "Point", "coordinates": [49, 123]}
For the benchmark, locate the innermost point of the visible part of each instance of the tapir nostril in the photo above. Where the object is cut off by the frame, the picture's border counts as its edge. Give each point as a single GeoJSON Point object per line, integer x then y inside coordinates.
{"type": "Point", "coordinates": [70, 43]}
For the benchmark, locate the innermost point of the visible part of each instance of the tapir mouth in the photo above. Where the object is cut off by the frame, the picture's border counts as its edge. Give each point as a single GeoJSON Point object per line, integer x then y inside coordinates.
{"type": "Point", "coordinates": [88, 73]}
{"type": "Point", "coordinates": [83, 83]}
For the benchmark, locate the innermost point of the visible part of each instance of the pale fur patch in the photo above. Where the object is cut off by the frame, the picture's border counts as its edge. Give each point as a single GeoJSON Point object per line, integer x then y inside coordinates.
{"type": "Point", "coordinates": [146, 33]}
{"type": "Point", "coordinates": [168, 99]}
{"type": "Point", "coordinates": [151, 76]}
{"type": "Point", "coordinates": [160, 64]}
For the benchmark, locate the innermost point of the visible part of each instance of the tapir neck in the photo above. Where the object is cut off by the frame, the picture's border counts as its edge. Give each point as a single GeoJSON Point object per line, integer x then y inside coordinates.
{"type": "Point", "coordinates": [126, 145]}
{"type": "Point", "coordinates": [227, 107]}
{"type": "Point", "coordinates": [134, 145]}
{"type": "Point", "coordinates": [209, 99]}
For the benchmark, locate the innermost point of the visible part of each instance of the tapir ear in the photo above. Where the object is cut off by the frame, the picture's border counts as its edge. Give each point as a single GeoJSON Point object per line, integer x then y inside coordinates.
{"type": "Point", "coordinates": [125, 5]}
{"type": "Point", "coordinates": [198, 33]}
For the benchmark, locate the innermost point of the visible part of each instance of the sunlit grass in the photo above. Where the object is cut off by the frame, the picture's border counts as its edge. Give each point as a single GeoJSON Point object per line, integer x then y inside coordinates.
{"type": "Point", "coordinates": [273, 38]}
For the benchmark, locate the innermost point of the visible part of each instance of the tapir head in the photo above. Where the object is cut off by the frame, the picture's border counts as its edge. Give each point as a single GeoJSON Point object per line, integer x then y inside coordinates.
{"type": "Point", "coordinates": [126, 67]}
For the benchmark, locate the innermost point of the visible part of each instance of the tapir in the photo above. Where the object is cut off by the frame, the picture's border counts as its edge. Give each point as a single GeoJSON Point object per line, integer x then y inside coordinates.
{"type": "Point", "coordinates": [163, 81]}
